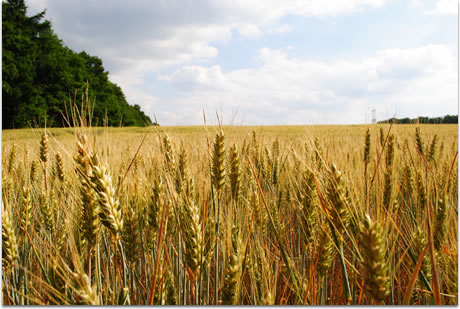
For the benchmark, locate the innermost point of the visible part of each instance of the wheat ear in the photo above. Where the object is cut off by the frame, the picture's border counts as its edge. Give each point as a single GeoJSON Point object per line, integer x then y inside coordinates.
{"type": "Point", "coordinates": [375, 268]}
{"type": "Point", "coordinates": [110, 211]}
{"type": "Point", "coordinates": [235, 173]}
{"type": "Point", "coordinates": [231, 291]}
{"type": "Point", "coordinates": [218, 163]}
{"type": "Point", "coordinates": [89, 202]}
{"type": "Point", "coordinates": [60, 168]}
{"type": "Point", "coordinates": [192, 237]}
{"type": "Point", "coordinates": [9, 244]}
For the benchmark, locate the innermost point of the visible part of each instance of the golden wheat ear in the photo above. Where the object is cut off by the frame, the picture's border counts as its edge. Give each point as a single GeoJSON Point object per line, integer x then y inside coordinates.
{"type": "Point", "coordinates": [235, 173]}
{"type": "Point", "coordinates": [218, 163]}
{"type": "Point", "coordinates": [89, 209]}
{"type": "Point", "coordinates": [232, 276]}
{"type": "Point", "coordinates": [9, 244]}
{"type": "Point", "coordinates": [12, 158]}
{"type": "Point", "coordinates": [374, 266]}
{"type": "Point", "coordinates": [60, 168]}
{"type": "Point", "coordinates": [110, 210]}
{"type": "Point", "coordinates": [193, 237]}
{"type": "Point", "coordinates": [44, 148]}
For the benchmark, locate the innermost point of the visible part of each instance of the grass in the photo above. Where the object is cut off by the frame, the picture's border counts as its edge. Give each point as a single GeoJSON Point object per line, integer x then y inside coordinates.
{"type": "Point", "coordinates": [256, 215]}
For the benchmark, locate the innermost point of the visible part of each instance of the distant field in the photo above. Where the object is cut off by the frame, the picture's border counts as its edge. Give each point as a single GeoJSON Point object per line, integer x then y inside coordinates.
{"type": "Point", "coordinates": [291, 215]}
{"type": "Point", "coordinates": [338, 142]}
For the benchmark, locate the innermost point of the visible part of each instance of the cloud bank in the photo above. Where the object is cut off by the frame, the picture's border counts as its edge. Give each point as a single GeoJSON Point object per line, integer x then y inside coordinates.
{"type": "Point", "coordinates": [161, 53]}
{"type": "Point", "coordinates": [288, 90]}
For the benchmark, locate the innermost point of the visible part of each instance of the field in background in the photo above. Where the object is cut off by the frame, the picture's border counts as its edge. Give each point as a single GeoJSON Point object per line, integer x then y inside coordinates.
{"type": "Point", "coordinates": [291, 215]}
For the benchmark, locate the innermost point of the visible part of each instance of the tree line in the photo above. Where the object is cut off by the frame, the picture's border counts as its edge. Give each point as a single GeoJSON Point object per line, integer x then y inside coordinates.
{"type": "Point", "coordinates": [448, 119]}
{"type": "Point", "coordinates": [41, 74]}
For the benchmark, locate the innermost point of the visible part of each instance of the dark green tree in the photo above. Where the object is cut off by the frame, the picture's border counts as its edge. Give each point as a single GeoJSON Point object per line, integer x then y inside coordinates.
{"type": "Point", "coordinates": [40, 73]}
{"type": "Point", "coordinates": [448, 119]}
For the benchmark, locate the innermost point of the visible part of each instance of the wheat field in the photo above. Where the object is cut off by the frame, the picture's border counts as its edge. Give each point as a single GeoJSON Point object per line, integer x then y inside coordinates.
{"type": "Point", "coordinates": [230, 215]}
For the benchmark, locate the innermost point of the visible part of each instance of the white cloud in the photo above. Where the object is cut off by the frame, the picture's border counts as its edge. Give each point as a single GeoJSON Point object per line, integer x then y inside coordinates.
{"type": "Point", "coordinates": [443, 7]}
{"type": "Point", "coordinates": [142, 37]}
{"type": "Point", "coordinates": [414, 3]}
{"type": "Point", "coordinates": [283, 28]}
{"type": "Point", "coordinates": [331, 7]}
{"type": "Point", "coordinates": [251, 31]}
{"type": "Point", "coordinates": [189, 78]}
{"type": "Point", "coordinates": [173, 32]}
{"type": "Point", "coordinates": [287, 90]}
{"type": "Point", "coordinates": [447, 7]}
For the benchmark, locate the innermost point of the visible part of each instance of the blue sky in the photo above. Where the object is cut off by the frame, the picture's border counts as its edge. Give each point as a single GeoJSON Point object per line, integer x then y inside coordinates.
{"type": "Point", "coordinates": [271, 62]}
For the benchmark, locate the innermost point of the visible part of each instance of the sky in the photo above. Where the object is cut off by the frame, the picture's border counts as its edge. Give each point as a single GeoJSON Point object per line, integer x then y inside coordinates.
{"type": "Point", "coordinates": [270, 62]}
